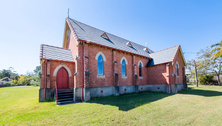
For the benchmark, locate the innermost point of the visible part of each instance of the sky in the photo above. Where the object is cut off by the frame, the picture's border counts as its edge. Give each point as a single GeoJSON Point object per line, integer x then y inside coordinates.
{"type": "Point", "coordinates": [26, 24]}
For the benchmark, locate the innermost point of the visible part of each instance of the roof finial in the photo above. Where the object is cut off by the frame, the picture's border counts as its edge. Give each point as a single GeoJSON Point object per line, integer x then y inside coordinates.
{"type": "Point", "coordinates": [68, 12]}
{"type": "Point", "coordinates": [146, 44]}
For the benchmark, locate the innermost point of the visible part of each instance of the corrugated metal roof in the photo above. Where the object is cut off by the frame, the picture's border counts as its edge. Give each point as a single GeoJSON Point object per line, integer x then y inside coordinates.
{"type": "Point", "coordinates": [162, 56]}
{"type": "Point", "coordinates": [55, 53]}
{"type": "Point", "coordinates": [86, 32]}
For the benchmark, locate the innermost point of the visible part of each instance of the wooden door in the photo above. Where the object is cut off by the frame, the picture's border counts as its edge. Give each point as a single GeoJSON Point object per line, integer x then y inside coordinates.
{"type": "Point", "coordinates": [62, 78]}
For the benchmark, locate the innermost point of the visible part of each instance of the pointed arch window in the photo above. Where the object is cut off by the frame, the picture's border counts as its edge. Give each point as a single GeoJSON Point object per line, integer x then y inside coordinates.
{"type": "Point", "coordinates": [123, 68]}
{"type": "Point", "coordinates": [177, 69]}
{"type": "Point", "coordinates": [100, 65]}
{"type": "Point", "coordinates": [140, 69]}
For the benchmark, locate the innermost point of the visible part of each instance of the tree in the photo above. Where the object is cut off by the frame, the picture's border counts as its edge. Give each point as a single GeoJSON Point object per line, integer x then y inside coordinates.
{"type": "Point", "coordinates": [217, 50]}
{"type": "Point", "coordinates": [35, 80]}
{"type": "Point", "coordinates": [24, 80]}
{"type": "Point", "coordinates": [17, 77]}
{"type": "Point", "coordinates": [6, 73]}
{"type": "Point", "coordinates": [29, 73]}
{"type": "Point", "coordinates": [207, 64]}
{"type": "Point", "coordinates": [1, 76]}
{"type": "Point", "coordinates": [37, 69]}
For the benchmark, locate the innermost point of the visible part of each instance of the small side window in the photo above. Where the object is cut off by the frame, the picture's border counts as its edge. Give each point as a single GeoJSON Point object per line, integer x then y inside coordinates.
{"type": "Point", "coordinates": [123, 68]}
{"type": "Point", "coordinates": [140, 69]}
{"type": "Point", "coordinates": [177, 69]}
{"type": "Point", "coordinates": [100, 65]}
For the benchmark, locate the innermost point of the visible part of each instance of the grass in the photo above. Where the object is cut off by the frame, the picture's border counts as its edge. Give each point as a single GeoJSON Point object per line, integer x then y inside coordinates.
{"type": "Point", "coordinates": [197, 106]}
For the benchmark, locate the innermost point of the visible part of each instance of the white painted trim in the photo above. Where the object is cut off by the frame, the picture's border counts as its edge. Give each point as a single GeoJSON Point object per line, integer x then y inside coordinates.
{"type": "Point", "coordinates": [124, 76]}
{"type": "Point", "coordinates": [100, 76]}
{"type": "Point", "coordinates": [140, 62]}
{"type": "Point", "coordinates": [60, 66]}
{"type": "Point", "coordinates": [178, 64]}
{"type": "Point", "coordinates": [123, 58]}
{"type": "Point", "coordinates": [100, 53]}
{"type": "Point", "coordinates": [140, 77]}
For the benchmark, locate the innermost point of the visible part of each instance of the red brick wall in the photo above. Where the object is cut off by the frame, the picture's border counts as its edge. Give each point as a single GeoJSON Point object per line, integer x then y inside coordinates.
{"type": "Point", "coordinates": [150, 75]}
{"type": "Point", "coordinates": [76, 51]}
{"type": "Point", "coordinates": [176, 79]}
{"type": "Point", "coordinates": [109, 67]}
{"type": "Point", "coordinates": [144, 79]}
{"type": "Point", "coordinates": [53, 65]}
{"type": "Point", "coordinates": [157, 74]}
{"type": "Point", "coordinates": [129, 68]}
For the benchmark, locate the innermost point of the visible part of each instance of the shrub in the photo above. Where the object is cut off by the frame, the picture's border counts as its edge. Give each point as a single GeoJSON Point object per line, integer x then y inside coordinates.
{"type": "Point", "coordinates": [35, 80]}
{"type": "Point", "coordinates": [8, 84]}
{"type": "Point", "coordinates": [206, 79]}
{"type": "Point", "coordinates": [24, 80]}
{"type": "Point", "coordinates": [14, 83]}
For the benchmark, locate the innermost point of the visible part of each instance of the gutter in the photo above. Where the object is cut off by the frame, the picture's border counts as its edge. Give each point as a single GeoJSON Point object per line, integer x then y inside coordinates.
{"type": "Point", "coordinates": [58, 60]}
{"type": "Point", "coordinates": [113, 48]}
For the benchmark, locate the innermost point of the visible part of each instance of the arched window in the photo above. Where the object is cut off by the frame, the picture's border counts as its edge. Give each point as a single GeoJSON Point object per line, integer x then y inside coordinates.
{"type": "Point", "coordinates": [123, 68]}
{"type": "Point", "coordinates": [100, 65]}
{"type": "Point", "coordinates": [177, 69]}
{"type": "Point", "coordinates": [140, 69]}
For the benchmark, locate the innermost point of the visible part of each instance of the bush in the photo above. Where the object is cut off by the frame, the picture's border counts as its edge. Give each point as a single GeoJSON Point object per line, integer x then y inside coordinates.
{"type": "Point", "coordinates": [14, 83]}
{"type": "Point", "coordinates": [24, 80]}
{"type": "Point", "coordinates": [8, 84]}
{"type": "Point", "coordinates": [35, 80]}
{"type": "Point", "coordinates": [206, 79]}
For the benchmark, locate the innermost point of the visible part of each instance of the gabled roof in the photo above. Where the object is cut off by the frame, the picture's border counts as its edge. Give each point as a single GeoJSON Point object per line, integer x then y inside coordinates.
{"type": "Point", "coordinates": [55, 53]}
{"type": "Point", "coordinates": [104, 35]}
{"type": "Point", "coordinates": [146, 49]}
{"type": "Point", "coordinates": [129, 44]}
{"type": "Point", "coordinates": [88, 33]}
{"type": "Point", "coordinates": [163, 56]}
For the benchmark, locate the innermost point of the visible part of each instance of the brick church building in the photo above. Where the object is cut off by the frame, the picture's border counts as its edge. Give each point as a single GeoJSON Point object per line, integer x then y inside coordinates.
{"type": "Point", "coordinates": [94, 63]}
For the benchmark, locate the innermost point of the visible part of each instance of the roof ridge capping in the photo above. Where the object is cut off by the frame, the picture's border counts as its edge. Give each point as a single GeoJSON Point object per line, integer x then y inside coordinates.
{"type": "Point", "coordinates": [54, 46]}
{"type": "Point", "coordinates": [165, 49]}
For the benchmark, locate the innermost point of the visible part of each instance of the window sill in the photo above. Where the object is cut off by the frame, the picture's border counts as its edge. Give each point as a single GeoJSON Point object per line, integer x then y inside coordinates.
{"type": "Point", "coordinates": [140, 77]}
{"type": "Point", "coordinates": [100, 76]}
{"type": "Point", "coordinates": [178, 76]}
{"type": "Point", "coordinates": [124, 76]}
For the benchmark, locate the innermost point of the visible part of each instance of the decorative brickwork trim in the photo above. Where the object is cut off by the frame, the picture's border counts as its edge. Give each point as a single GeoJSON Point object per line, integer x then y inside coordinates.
{"type": "Point", "coordinates": [60, 66]}
{"type": "Point", "coordinates": [123, 58]}
{"type": "Point", "coordinates": [140, 62]}
{"type": "Point", "coordinates": [100, 53]}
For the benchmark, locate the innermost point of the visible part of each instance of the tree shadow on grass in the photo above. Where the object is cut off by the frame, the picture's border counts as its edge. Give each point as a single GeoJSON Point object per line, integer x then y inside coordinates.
{"type": "Point", "coordinates": [127, 102]}
{"type": "Point", "coordinates": [199, 91]}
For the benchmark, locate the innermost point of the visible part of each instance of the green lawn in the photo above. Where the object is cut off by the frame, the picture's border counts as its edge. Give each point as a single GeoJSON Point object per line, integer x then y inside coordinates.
{"type": "Point", "coordinates": [197, 106]}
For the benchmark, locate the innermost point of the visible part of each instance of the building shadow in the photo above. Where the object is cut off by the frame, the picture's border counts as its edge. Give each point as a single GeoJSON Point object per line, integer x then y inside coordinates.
{"type": "Point", "coordinates": [127, 102]}
{"type": "Point", "coordinates": [200, 92]}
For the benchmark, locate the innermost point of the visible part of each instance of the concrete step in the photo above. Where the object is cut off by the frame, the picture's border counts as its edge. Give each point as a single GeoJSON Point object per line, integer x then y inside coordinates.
{"type": "Point", "coordinates": [64, 90]}
{"type": "Point", "coordinates": [65, 102]}
{"type": "Point", "coordinates": [65, 96]}
{"type": "Point", "coordinates": [65, 99]}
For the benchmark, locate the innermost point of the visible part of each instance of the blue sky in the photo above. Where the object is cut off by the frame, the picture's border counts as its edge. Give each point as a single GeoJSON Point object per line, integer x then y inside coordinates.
{"type": "Point", "coordinates": [25, 24]}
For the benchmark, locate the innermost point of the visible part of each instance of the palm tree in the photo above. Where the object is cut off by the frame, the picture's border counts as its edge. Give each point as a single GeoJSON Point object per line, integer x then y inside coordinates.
{"type": "Point", "coordinates": [217, 51]}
